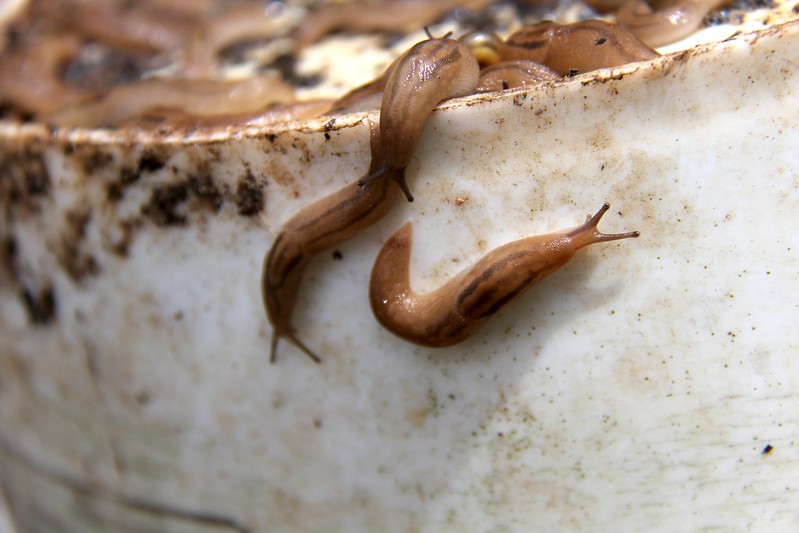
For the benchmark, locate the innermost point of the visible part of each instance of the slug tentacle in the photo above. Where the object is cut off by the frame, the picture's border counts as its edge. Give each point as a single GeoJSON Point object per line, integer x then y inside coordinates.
{"type": "Point", "coordinates": [589, 233]}
{"type": "Point", "coordinates": [320, 226]}
{"type": "Point", "coordinates": [397, 175]}
{"type": "Point", "coordinates": [451, 313]}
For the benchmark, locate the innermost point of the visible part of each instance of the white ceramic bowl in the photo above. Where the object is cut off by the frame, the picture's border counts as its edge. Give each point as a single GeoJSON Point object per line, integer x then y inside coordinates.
{"type": "Point", "coordinates": [649, 384]}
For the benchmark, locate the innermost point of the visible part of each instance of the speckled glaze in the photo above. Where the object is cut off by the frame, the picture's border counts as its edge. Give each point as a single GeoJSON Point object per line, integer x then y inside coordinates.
{"type": "Point", "coordinates": [650, 384]}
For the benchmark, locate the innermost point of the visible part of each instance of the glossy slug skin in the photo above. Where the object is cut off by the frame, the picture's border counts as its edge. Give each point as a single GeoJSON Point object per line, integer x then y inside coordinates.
{"type": "Point", "coordinates": [320, 226]}
{"type": "Point", "coordinates": [569, 49]}
{"type": "Point", "coordinates": [485, 46]}
{"type": "Point", "coordinates": [451, 313]}
{"type": "Point", "coordinates": [514, 73]}
{"type": "Point", "coordinates": [666, 25]}
{"type": "Point", "coordinates": [429, 72]}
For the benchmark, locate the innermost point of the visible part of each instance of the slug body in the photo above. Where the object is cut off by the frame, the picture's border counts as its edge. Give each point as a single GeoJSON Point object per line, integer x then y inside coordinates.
{"type": "Point", "coordinates": [575, 48]}
{"type": "Point", "coordinates": [485, 46]}
{"type": "Point", "coordinates": [514, 73]}
{"type": "Point", "coordinates": [451, 313]}
{"type": "Point", "coordinates": [666, 25]}
{"type": "Point", "coordinates": [320, 226]}
{"type": "Point", "coordinates": [392, 16]}
{"type": "Point", "coordinates": [429, 72]}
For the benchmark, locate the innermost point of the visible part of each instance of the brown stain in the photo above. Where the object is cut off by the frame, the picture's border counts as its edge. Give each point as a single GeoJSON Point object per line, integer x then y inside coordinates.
{"type": "Point", "coordinates": [41, 305]}
{"type": "Point", "coordinates": [8, 256]}
{"type": "Point", "coordinates": [153, 160]}
{"type": "Point", "coordinates": [278, 173]}
{"type": "Point", "coordinates": [77, 263]}
{"type": "Point", "coordinates": [115, 191]}
{"type": "Point", "coordinates": [120, 244]}
{"type": "Point", "coordinates": [73, 253]}
{"type": "Point", "coordinates": [95, 160]}
{"type": "Point", "coordinates": [249, 196]}
{"type": "Point", "coordinates": [89, 159]}
{"type": "Point", "coordinates": [24, 179]}
{"type": "Point", "coordinates": [206, 191]}
{"type": "Point", "coordinates": [163, 208]}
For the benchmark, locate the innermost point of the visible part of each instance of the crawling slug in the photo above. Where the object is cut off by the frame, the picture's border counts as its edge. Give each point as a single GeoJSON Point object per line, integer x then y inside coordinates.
{"type": "Point", "coordinates": [666, 25]}
{"type": "Point", "coordinates": [575, 48]}
{"type": "Point", "coordinates": [485, 46]}
{"type": "Point", "coordinates": [451, 313]}
{"type": "Point", "coordinates": [320, 226]}
{"type": "Point", "coordinates": [429, 72]}
{"type": "Point", "coordinates": [514, 73]}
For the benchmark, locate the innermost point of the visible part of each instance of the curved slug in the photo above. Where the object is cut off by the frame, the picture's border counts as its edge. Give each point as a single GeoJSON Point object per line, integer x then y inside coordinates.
{"type": "Point", "coordinates": [429, 72]}
{"type": "Point", "coordinates": [666, 25]}
{"type": "Point", "coordinates": [569, 49]}
{"type": "Point", "coordinates": [320, 226]}
{"type": "Point", "coordinates": [514, 73]}
{"type": "Point", "coordinates": [30, 78]}
{"type": "Point", "coordinates": [451, 313]}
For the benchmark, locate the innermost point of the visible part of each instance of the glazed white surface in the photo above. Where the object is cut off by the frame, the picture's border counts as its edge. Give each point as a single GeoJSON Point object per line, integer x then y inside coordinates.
{"type": "Point", "coordinates": [634, 389]}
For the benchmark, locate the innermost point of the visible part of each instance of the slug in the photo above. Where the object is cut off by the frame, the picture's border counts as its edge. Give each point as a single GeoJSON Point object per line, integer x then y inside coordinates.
{"type": "Point", "coordinates": [666, 25]}
{"type": "Point", "coordinates": [201, 98]}
{"type": "Point", "coordinates": [429, 72]}
{"type": "Point", "coordinates": [392, 16]}
{"type": "Point", "coordinates": [485, 46]}
{"type": "Point", "coordinates": [513, 73]}
{"type": "Point", "coordinates": [575, 48]}
{"type": "Point", "coordinates": [454, 311]}
{"type": "Point", "coordinates": [30, 78]}
{"type": "Point", "coordinates": [320, 226]}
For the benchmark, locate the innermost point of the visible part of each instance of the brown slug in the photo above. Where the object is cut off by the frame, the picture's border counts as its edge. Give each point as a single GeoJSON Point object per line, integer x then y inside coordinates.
{"type": "Point", "coordinates": [485, 46]}
{"type": "Point", "coordinates": [668, 24]}
{"type": "Point", "coordinates": [318, 227]}
{"type": "Point", "coordinates": [569, 49]}
{"type": "Point", "coordinates": [514, 73]}
{"type": "Point", "coordinates": [454, 311]}
{"type": "Point", "coordinates": [429, 72]}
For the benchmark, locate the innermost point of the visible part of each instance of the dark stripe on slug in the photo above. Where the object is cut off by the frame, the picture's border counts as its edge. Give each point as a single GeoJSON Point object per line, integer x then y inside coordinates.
{"type": "Point", "coordinates": [444, 328]}
{"type": "Point", "coordinates": [354, 220]}
{"type": "Point", "coordinates": [440, 52]}
{"type": "Point", "coordinates": [530, 45]}
{"type": "Point", "coordinates": [344, 205]}
{"type": "Point", "coordinates": [277, 265]}
{"type": "Point", "coordinates": [273, 255]}
{"type": "Point", "coordinates": [487, 274]}
{"type": "Point", "coordinates": [509, 296]}
{"type": "Point", "coordinates": [430, 49]}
